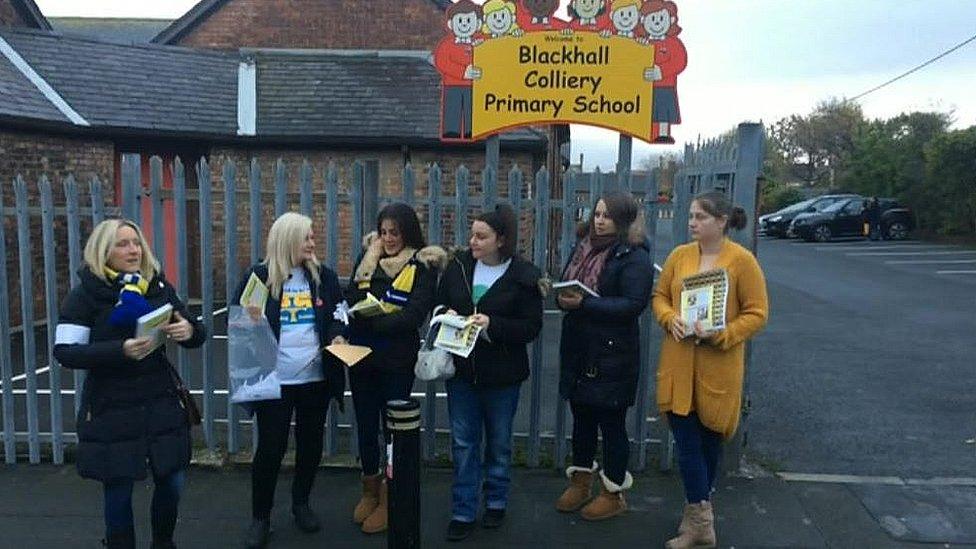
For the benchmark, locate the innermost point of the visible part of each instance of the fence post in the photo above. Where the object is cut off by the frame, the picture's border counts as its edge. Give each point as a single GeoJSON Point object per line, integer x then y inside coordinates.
{"type": "Point", "coordinates": [625, 149]}
{"type": "Point", "coordinates": [332, 260]}
{"type": "Point", "coordinates": [539, 249]}
{"type": "Point", "coordinates": [647, 325]}
{"type": "Point", "coordinates": [515, 196]}
{"type": "Point", "coordinates": [131, 185]}
{"type": "Point", "coordinates": [51, 311]}
{"type": "Point", "coordinates": [74, 262]}
{"type": "Point", "coordinates": [255, 210]}
{"type": "Point", "coordinates": [182, 267]}
{"type": "Point", "coordinates": [409, 183]}
{"type": "Point", "coordinates": [433, 236]}
{"type": "Point", "coordinates": [462, 179]}
{"type": "Point", "coordinates": [748, 166]}
{"type": "Point", "coordinates": [206, 289]}
{"type": "Point", "coordinates": [305, 181]}
{"type": "Point", "coordinates": [254, 190]}
{"type": "Point", "coordinates": [27, 317]}
{"type": "Point", "coordinates": [281, 188]}
{"type": "Point", "coordinates": [97, 202]}
{"type": "Point", "coordinates": [6, 364]}
{"type": "Point", "coordinates": [156, 192]}
{"type": "Point", "coordinates": [230, 278]}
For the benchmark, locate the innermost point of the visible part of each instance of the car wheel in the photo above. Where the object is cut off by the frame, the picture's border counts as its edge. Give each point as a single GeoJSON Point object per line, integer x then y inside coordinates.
{"type": "Point", "coordinates": [821, 233]}
{"type": "Point", "coordinates": [897, 231]}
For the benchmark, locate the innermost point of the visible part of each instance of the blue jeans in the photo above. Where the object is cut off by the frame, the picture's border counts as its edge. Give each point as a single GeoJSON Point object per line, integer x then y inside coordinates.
{"type": "Point", "coordinates": [165, 502]}
{"type": "Point", "coordinates": [475, 410]}
{"type": "Point", "coordinates": [699, 453]}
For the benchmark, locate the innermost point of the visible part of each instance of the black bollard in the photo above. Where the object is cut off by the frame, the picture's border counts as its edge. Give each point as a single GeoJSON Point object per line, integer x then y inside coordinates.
{"type": "Point", "coordinates": [403, 476]}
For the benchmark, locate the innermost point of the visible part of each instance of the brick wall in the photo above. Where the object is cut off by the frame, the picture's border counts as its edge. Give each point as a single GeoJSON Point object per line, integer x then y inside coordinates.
{"type": "Point", "coordinates": [31, 156]}
{"type": "Point", "coordinates": [345, 24]}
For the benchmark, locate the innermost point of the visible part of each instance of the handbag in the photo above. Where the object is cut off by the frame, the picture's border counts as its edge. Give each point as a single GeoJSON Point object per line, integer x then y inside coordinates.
{"type": "Point", "coordinates": [433, 363]}
{"type": "Point", "coordinates": [189, 404]}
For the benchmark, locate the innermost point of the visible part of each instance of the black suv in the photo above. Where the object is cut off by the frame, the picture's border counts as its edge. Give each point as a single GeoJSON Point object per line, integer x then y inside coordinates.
{"type": "Point", "coordinates": [778, 223]}
{"type": "Point", "coordinates": [846, 218]}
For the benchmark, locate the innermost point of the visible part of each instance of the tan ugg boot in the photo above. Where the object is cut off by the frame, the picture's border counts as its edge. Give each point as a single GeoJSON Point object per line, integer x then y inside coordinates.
{"type": "Point", "coordinates": [685, 515]}
{"type": "Point", "coordinates": [371, 498]}
{"type": "Point", "coordinates": [701, 528]}
{"type": "Point", "coordinates": [579, 491]}
{"type": "Point", "coordinates": [610, 502]}
{"type": "Point", "coordinates": [376, 521]}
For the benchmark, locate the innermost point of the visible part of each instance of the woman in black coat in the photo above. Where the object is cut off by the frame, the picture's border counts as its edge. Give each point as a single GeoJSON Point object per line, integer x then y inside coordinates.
{"type": "Point", "coordinates": [600, 350]}
{"type": "Point", "coordinates": [130, 414]}
{"type": "Point", "coordinates": [502, 293]}
{"type": "Point", "coordinates": [302, 297]}
{"type": "Point", "coordinates": [399, 269]}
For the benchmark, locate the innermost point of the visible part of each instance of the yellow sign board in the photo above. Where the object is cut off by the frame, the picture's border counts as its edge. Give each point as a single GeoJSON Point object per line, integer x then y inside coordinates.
{"type": "Point", "coordinates": [550, 77]}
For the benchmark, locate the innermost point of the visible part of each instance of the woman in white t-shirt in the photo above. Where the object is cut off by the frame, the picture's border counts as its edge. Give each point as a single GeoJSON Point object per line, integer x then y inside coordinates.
{"type": "Point", "coordinates": [302, 297]}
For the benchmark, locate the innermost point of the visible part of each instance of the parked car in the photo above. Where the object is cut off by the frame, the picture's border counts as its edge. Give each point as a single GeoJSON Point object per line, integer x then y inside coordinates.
{"type": "Point", "coordinates": [778, 223]}
{"type": "Point", "coordinates": [845, 218]}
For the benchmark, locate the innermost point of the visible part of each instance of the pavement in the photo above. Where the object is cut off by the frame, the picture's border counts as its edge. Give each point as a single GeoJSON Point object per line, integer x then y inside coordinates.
{"type": "Point", "coordinates": [50, 506]}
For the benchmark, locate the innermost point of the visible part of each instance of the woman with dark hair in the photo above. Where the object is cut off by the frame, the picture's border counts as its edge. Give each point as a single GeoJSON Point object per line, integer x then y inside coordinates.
{"type": "Point", "coordinates": [399, 269]}
{"type": "Point", "coordinates": [700, 371]}
{"type": "Point", "coordinates": [600, 350]}
{"type": "Point", "coordinates": [131, 416]}
{"type": "Point", "coordinates": [500, 292]}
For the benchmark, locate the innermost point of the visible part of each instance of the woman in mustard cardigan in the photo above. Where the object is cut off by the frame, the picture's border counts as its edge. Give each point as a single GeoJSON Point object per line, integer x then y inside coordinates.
{"type": "Point", "coordinates": [700, 372]}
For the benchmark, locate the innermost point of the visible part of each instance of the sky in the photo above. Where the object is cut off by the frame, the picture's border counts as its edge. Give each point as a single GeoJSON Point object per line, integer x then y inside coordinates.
{"type": "Point", "coordinates": [761, 60]}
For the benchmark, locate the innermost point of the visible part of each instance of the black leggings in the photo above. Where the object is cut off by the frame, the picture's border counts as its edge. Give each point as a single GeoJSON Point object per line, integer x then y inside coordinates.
{"type": "Point", "coordinates": [611, 422]}
{"type": "Point", "coordinates": [310, 402]}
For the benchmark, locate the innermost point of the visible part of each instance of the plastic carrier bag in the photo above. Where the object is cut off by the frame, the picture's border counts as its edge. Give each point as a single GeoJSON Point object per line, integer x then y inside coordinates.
{"type": "Point", "coordinates": [252, 352]}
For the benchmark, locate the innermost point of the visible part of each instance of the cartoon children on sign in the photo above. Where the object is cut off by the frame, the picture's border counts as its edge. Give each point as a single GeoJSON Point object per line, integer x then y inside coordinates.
{"type": "Point", "coordinates": [625, 15]}
{"type": "Point", "coordinates": [660, 29]}
{"type": "Point", "coordinates": [536, 15]}
{"type": "Point", "coordinates": [500, 19]}
{"type": "Point", "coordinates": [588, 16]}
{"type": "Point", "coordinates": [454, 58]}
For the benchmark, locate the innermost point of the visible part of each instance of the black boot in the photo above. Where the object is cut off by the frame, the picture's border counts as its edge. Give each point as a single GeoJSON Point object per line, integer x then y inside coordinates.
{"type": "Point", "coordinates": [162, 544]}
{"type": "Point", "coordinates": [125, 539]}
{"type": "Point", "coordinates": [305, 519]}
{"type": "Point", "coordinates": [257, 534]}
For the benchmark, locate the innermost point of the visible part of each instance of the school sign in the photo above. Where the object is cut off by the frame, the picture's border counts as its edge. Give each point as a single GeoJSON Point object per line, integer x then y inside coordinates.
{"type": "Point", "coordinates": [615, 65]}
{"type": "Point", "coordinates": [548, 78]}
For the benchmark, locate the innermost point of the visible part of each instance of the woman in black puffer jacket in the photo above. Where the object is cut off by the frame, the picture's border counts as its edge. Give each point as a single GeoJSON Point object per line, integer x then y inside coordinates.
{"type": "Point", "coordinates": [502, 293]}
{"type": "Point", "coordinates": [600, 350]}
{"type": "Point", "coordinates": [130, 414]}
{"type": "Point", "coordinates": [399, 269]}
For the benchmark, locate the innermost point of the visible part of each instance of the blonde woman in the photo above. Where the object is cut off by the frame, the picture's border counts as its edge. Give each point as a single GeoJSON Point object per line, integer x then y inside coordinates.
{"type": "Point", "coordinates": [302, 297]}
{"type": "Point", "coordinates": [700, 371]}
{"type": "Point", "coordinates": [130, 413]}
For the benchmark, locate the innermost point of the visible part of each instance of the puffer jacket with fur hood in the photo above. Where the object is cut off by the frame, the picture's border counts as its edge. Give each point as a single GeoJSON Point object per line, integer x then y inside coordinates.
{"type": "Point", "coordinates": [394, 337]}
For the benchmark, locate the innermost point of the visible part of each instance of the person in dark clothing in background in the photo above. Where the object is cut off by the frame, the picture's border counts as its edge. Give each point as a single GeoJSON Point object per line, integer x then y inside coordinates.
{"type": "Point", "coordinates": [130, 413]}
{"type": "Point", "coordinates": [600, 350]}
{"type": "Point", "coordinates": [874, 219]}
